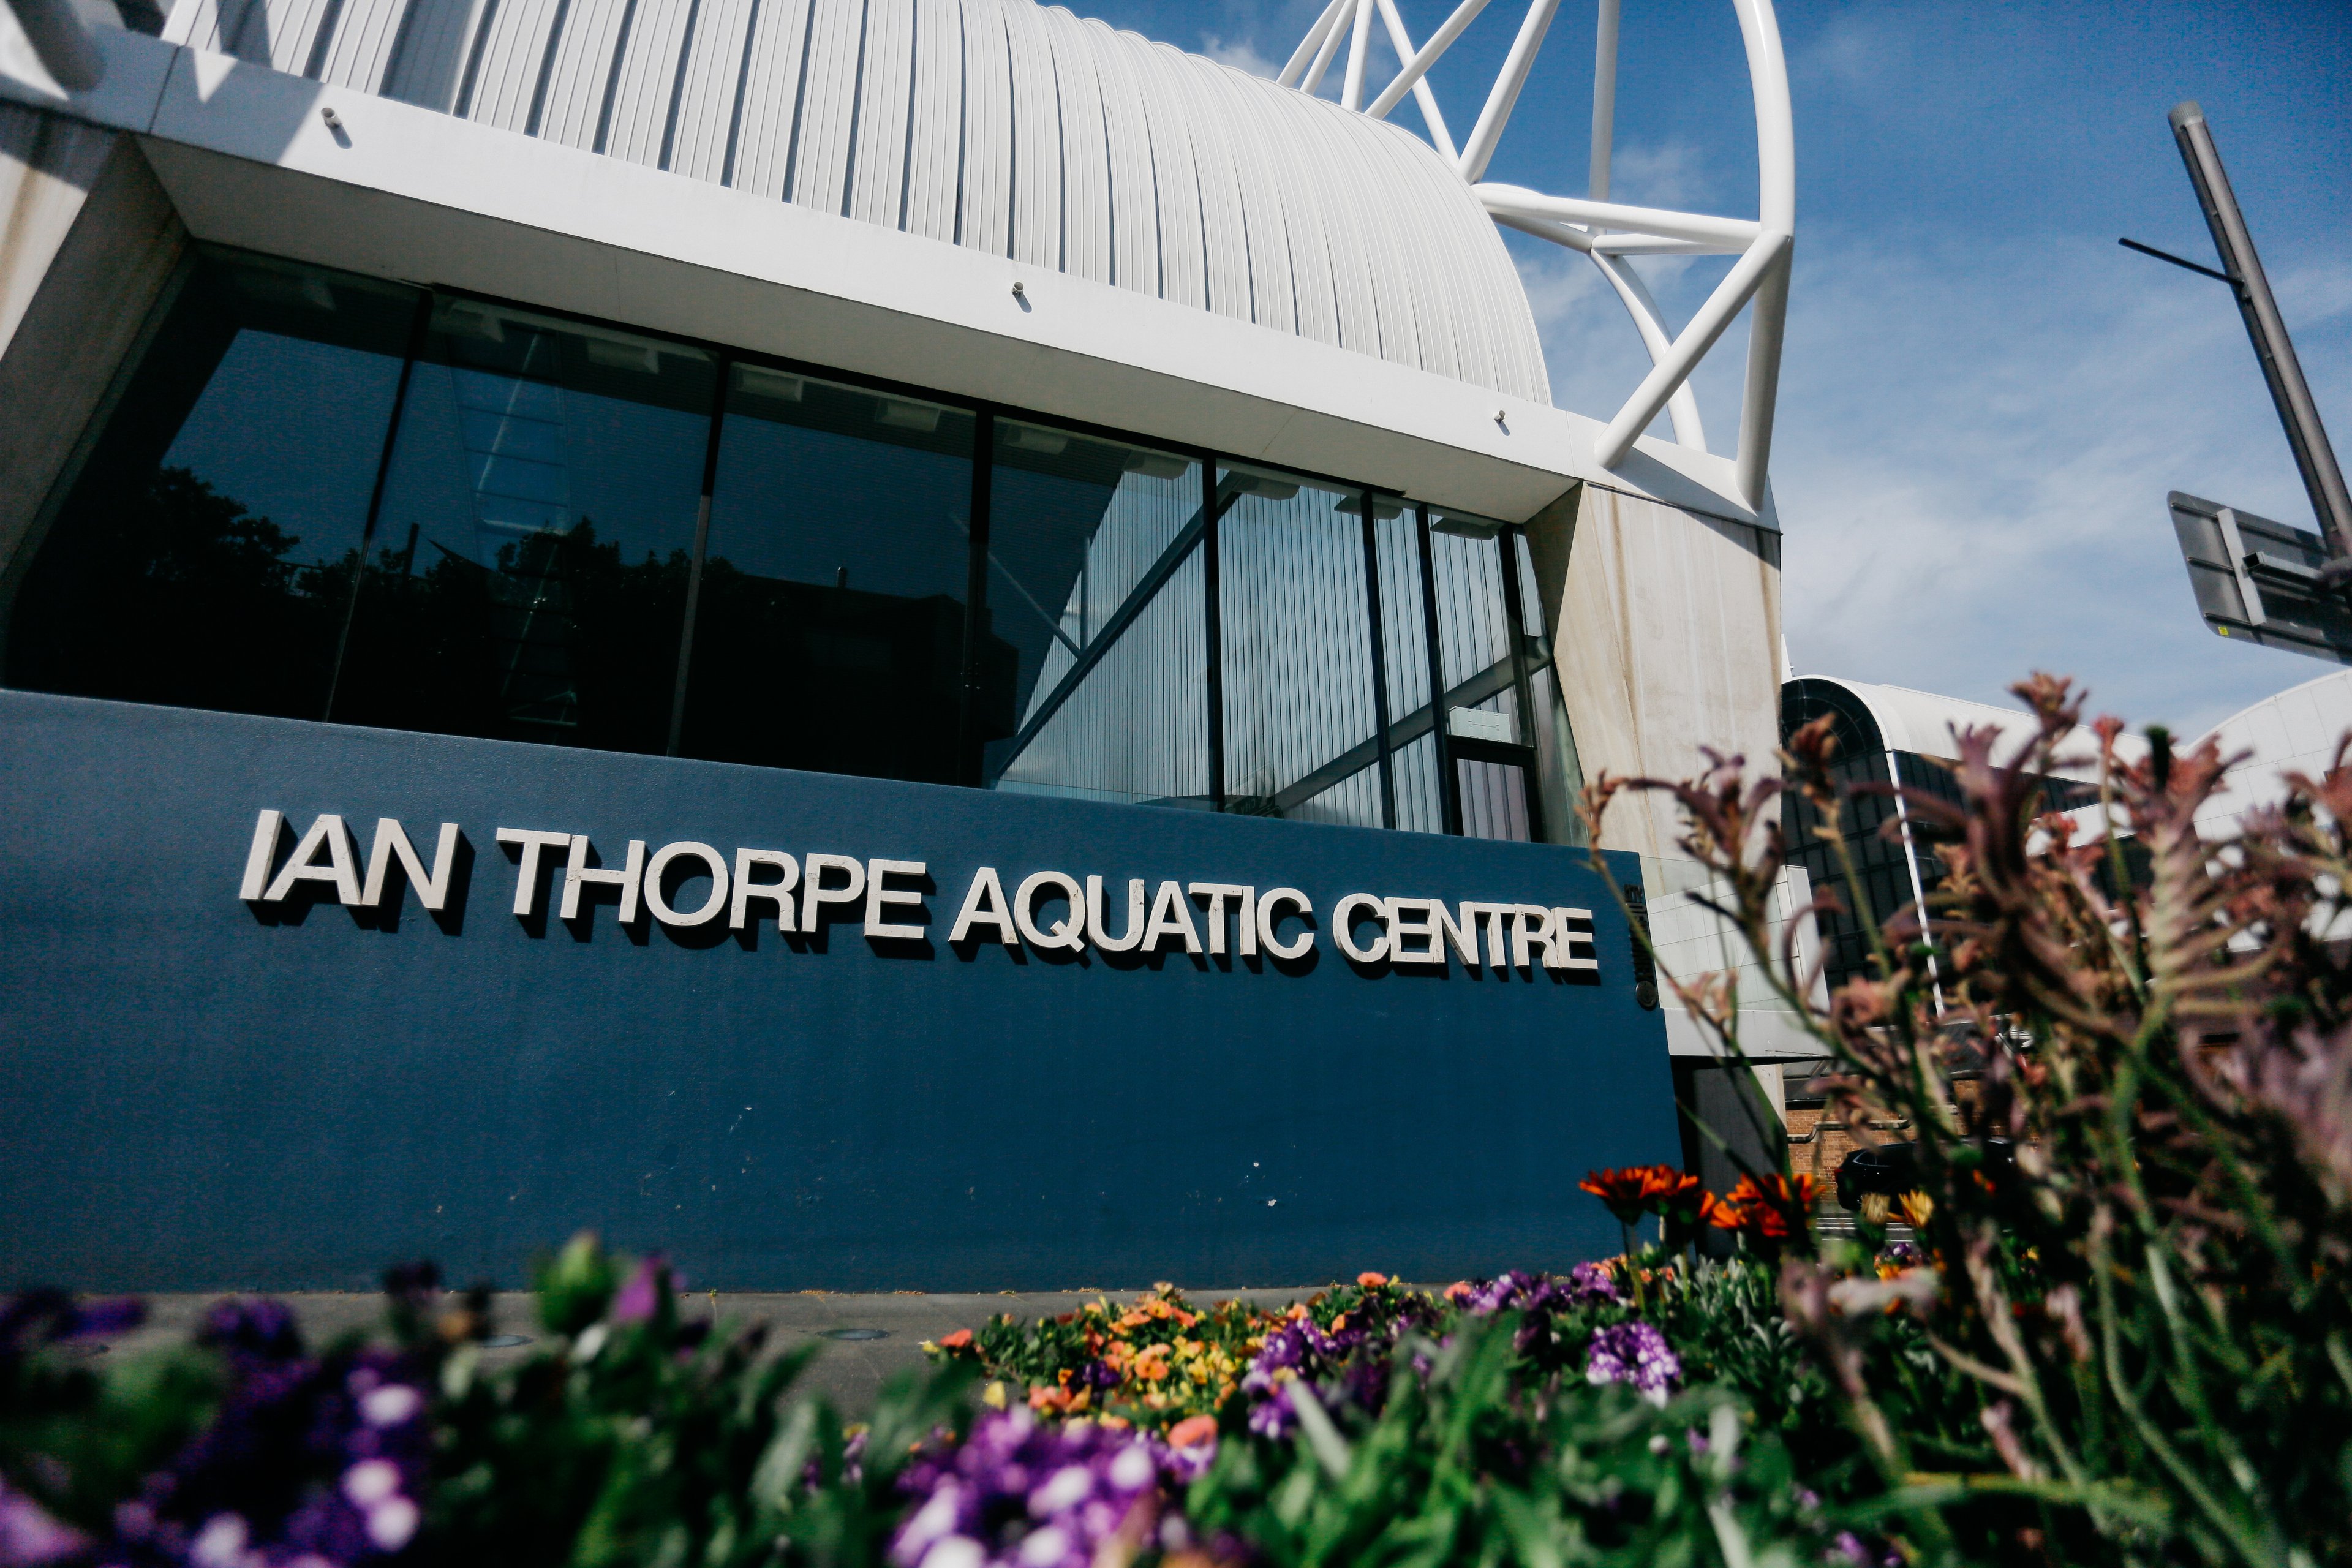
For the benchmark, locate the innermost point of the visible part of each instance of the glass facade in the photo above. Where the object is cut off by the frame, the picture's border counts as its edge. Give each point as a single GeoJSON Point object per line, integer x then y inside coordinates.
{"type": "Point", "coordinates": [332, 498]}
{"type": "Point", "coordinates": [1894, 865]}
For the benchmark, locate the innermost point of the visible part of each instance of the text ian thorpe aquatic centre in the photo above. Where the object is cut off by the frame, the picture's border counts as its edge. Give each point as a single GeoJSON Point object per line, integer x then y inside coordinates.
{"type": "Point", "coordinates": [1193, 915]}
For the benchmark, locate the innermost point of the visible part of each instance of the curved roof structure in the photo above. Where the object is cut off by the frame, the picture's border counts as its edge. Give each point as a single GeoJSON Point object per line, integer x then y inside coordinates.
{"type": "Point", "coordinates": [1902, 719]}
{"type": "Point", "coordinates": [998, 125]}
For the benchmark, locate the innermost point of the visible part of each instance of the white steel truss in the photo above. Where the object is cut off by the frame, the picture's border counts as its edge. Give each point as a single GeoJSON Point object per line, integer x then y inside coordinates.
{"type": "Point", "coordinates": [1611, 233]}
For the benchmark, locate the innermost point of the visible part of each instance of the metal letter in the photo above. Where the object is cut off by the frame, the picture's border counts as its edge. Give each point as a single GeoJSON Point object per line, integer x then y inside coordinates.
{"type": "Point", "coordinates": [1269, 916]}
{"type": "Point", "coordinates": [710, 857]}
{"type": "Point", "coordinates": [630, 878]}
{"type": "Point", "coordinates": [1245, 914]}
{"type": "Point", "coordinates": [392, 844]}
{"type": "Point", "coordinates": [267, 830]}
{"type": "Point", "coordinates": [778, 892]}
{"type": "Point", "coordinates": [527, 868]}
{"type": "Point", "coordinates": [1401, 929]}
{"type": "Point", "coordinates": [1172, 916]}
{"type": "Point", "coordinates": [983, 905]}
{"type": "Point", "coordinates": [1568, 941]}
{"type": "Point", "coordinates": [815, 893]}
{"type": "Point", "coordinates": [1069, 934]}
{"type": "Point", "coordinates": [1095, 932]}
{"type": "Point", "coordinates": [879, 896]}
{"type": "Point", "coordinates": [1343, 924]}
{"type": "Point", "coordinates": [341, 869]}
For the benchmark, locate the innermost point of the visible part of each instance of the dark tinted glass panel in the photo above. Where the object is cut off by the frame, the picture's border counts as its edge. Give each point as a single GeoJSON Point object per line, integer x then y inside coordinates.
{"type": "Point", "coordinates": [528, 579]}
{"type": "Point", "coordinates": [1302, 737]}
{"type": "Point", "coordinates": [1404, 644]}
{"type": "Point", "coordinates": [204, 558]}
{"type": "Point", "coordinates": [830, 634]}
{"type": "Point", "coordinates": [1095, 578]}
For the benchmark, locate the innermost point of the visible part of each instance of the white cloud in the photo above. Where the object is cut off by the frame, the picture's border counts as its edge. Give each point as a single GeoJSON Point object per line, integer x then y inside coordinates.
{"type": "Point", "coordinates": [1976, 445]}
{"type": "Point", "coordinates": [1239, 53]}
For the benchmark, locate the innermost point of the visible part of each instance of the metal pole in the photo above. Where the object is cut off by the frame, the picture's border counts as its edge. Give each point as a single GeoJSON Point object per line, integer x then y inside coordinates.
{"type": "Point", "coordinates": [2322, 479]}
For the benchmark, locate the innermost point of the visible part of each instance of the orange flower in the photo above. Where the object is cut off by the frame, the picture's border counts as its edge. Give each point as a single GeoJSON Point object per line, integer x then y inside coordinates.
{"type": "Point", "coordinates": [1632, 1191]}
{"type": "Point", "coordinates": [1721, 1213]}
{"type": "Point", "coordinates": [1771, 1212]}
{"type": "Point", "coordinates": [1458, 1292]}
{"type": "Point", "coordinates": [1193, 1431]}
{"type": "Point", "coordinates": [1372, 1281]}
{"type": "Point", "coordinates": [958, 1341]}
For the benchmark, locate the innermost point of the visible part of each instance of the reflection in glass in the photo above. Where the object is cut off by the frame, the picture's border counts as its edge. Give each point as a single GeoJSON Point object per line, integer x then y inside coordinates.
{"type": "Point", "coordinates": [537, 534]}
{"type": "Point", "coordinates": [205, 557]}
{"type": "Point", "coordinates": [830, 630]}
{"type": "Point", "coordinates": [1094, 577]}
{"type": "Point", "coordinates": [1301, 718]}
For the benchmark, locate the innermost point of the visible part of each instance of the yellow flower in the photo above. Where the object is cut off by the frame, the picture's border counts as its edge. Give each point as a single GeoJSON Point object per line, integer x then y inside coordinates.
{"type": "Point", "coordinates": [1918, 1208]}
{"type": "Point", "coordinates": [1875, 1207]}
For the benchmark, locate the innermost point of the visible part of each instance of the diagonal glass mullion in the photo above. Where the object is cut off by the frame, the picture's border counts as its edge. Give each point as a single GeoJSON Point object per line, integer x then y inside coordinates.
{"type": "Point", "coordinates": [1497, 677]}
{"type": "Point", "coordinates": [1138, 600]}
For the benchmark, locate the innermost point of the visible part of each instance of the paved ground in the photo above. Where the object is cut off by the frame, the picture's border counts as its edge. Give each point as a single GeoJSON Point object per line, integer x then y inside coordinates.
{"type": "Point", "coordinates": [866, 1337]}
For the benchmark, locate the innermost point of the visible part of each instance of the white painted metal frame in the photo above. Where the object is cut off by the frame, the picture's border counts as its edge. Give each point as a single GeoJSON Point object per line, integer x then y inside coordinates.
{"type": "Point", "coordinates": [1611, 233]}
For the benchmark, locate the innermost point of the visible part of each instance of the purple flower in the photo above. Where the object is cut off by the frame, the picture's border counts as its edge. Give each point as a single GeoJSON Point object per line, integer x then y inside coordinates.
{"type": "Point", "coordinates": [637, 1301]}
{"type": "Point", "coordinates": [258, 1328]}
{"type": "Point", "coordinates": [1019, 1493]}
{"type": "Point", "coordinates": [1593, 1282]}
{"type": "Point", "coordinates": [1633, 1352]}
{"type": "Point", "coordinates": [29, 1538]}
{"type": "Point", "coordinates": [1272, 1416]}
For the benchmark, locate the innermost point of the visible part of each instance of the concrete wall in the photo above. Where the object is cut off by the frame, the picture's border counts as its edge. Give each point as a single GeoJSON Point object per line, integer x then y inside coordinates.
{"type": "Point", "coordinates": [1668, 625]}
{"type": "Point", "coordinates": [88, 242]}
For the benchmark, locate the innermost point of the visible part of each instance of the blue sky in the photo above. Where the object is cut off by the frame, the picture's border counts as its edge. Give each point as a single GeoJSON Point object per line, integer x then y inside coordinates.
{"type": "Point", "coordinates": [1984, 399]}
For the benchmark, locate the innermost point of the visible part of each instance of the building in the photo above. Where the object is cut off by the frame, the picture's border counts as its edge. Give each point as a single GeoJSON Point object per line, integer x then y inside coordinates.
{"type": "Point", "coordinates": [710, 452]}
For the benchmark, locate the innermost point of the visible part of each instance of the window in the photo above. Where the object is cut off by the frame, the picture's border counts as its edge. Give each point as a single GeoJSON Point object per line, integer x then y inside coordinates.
{"type": "Point", "coordinates": [830, 629]}
{"type": "Point", "coordinates": [1096, 577]}
{"type": "Point", "coordinates": [330, 497]}
{"type": "Point", "coordinates": [531, 564]}
{"type": "Point", "coordinates": [204, 558]}
{"type": "Point", "coordinates": [1303, 706]}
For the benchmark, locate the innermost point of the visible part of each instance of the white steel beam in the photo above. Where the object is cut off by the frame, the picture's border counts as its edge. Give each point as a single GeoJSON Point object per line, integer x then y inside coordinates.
{"type": "Point", "coordinates": [1299, 56]}
{"type": "Point", "coordinates": [1418, 65]}
{"type": "Point", "coordinates": [1604, 100]}
{"type": "Point", "coordinates": [1500, 102]}
{"type": "Point", "coordinates": [1329, 46]}
{"type": "Point", "coordinates": [1747, 274]}
{"type": "Point", "coordinates": [1360, 57]}
{"type": "Point", "coordinates": [1402, 41]}
{"type": "Point", "coordinates": [1681, 407]}
{"type": "Point", "coordinates": [1523, 202]}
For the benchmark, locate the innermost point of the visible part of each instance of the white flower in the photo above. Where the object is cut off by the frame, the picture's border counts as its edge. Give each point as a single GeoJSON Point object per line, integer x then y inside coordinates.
{"type": "Point", "coordinates": [1068, 1488]}
{"type": "Point", "coordinates": [391, 1404]}
{"type": "Point", "coordinates": [371, 1481]}
{"type": "Point", "coordinates": [390, 1522]}
{"type": "Point", "coordinates": [1131, 1471]}
{"type": "Point", "coordinates": [221, 1543]}
{"type": "Point", "coordinates": [1048, 1546]}
{"type": "Point", "coordinates": [955, 1551]}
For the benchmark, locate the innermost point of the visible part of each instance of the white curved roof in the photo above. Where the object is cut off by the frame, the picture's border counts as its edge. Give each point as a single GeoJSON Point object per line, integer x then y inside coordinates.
{"type": "Point", "coordinates": [1924, 722]}
{"type": "Point", "coordinates": [1000, 125]}
{"type": "Point", "coordinates": [2294, 730]}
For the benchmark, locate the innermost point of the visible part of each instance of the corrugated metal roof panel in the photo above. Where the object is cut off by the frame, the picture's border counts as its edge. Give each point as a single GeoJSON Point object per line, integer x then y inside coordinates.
{"type": "Point", "coordinates": [993, 124]}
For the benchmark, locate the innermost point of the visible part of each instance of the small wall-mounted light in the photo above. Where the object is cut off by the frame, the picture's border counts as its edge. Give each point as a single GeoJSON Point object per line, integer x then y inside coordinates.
{"type": "Point", "coordinates": [1019, 292]}
{"type": "Point", "coordinates": [1501, 416]}
{"type": "Point", "coordinates": [329, 115]}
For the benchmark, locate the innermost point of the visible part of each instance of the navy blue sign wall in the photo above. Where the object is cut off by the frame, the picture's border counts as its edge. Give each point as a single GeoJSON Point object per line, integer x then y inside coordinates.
{"type": "Point", "coordinates": [205, 1091]}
